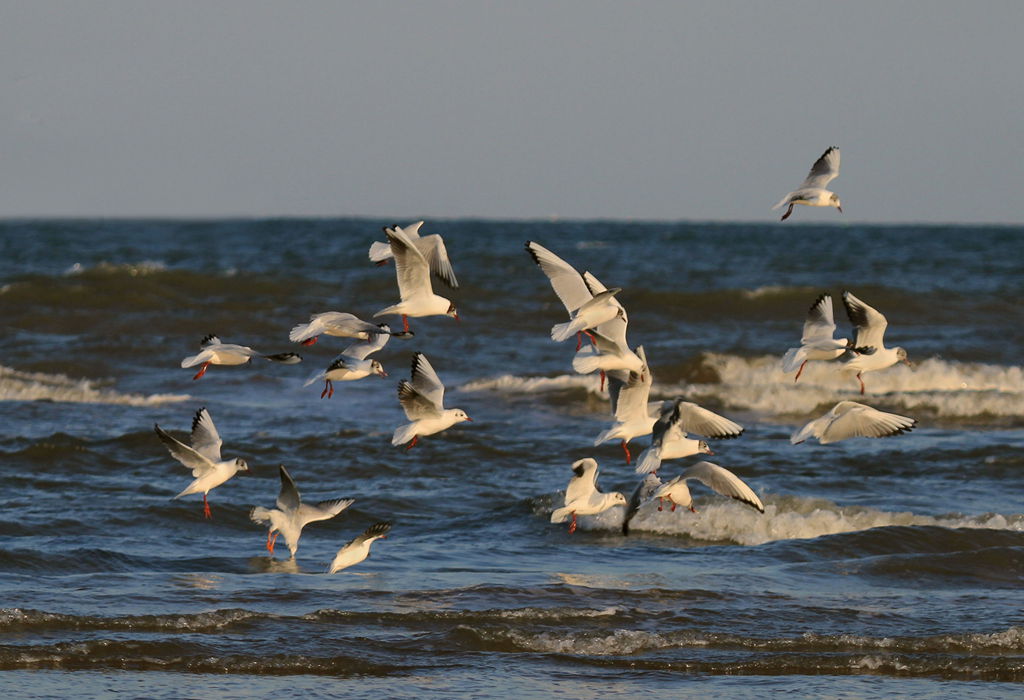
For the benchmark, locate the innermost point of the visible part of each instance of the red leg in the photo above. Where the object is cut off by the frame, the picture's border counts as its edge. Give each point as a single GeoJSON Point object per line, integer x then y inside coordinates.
{"type": "Point", "coordinates": [330, 394]}
{"type": "Point", "coordinates": [412, 443]}
{"type": "Point", "coordinates": [625, 448]}
{"type": "Point", "coordinates": [202, 371]}
{"type": "Point", "coordinates": [579, 341]}
{"type": "Point", "coordinates": [206, 508]}
{"type": "Point", "coordinates": [593, 340]}
{"type": "Point", "coordinates": [602, 380]}
{"type": "Point", "coordinates": [692, 509]}
{"type": "Point", "coordinates": [271, 541]}
{"type": "Point", "coordinates": [674, 504]}
{"type": "Point", "coordinates": [788, 212]}
{"type": "Point", "coordinates": [572, 525]}
{"type": "Point", "coordinates": [405, 323]}
{"type": "Point", "coordinates": [660, 507]}
{"type": "Point", "coordinates": [309, 341]}
{"type": "Point", "coordinates": [799, 371]}
{"type": "Point", "coordinates": [327, 385]}
{"type": "Point", "coordinates": [861, 383]}
{"type": "Point", "coordinates": [380, 263]}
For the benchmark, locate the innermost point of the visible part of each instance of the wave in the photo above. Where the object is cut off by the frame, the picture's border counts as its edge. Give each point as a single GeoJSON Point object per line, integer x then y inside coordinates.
{"type": "Point", "coordinates": [939, 388]}
{"type": "Point", "coordinates": [139, 269]}
{"type": "Point", "coordinates": [16, 385]}
{"type": "Point", "coordinates": [784, 518]}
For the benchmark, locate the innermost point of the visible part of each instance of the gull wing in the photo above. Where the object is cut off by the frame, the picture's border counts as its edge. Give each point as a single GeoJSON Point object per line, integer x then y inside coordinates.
{"type": "Point", "coordinates": [197, 462]}
{"type": "Point", "coordinates": [870, 324]}
{"type": "Point", "coordinates": [205, 439]}
{"type": "Point", "coordinates": [852, 419]}
{"type": "Point", "coordinates": [568, 284]}
{"type": "Point", "coordinates": [324, 510]}
{"type": "Point", "coordinates": [363, 348]}
{"type": "Point", "coordinates": [820, 324]}
{"type": "Point", "coordinates": [425, 380]}
{"type": "Point", "coordinates": [433, 249]}
{"type": "Point", "coordinates": [583, 483]}
{"type": "Point", "coordinates": [723, 481]}
{"type": "Point", "coordinates": [643, 492]}
{"type": "Point", "coordinates": [824, 170]}
{"type": "Point", "coordinates": [630, 397]}
{"type": "Point", "coordinates": [288, 498]}
{"type": "Point", "coordinates": [692, 418]}
{"type": "Point", "coordinates": [411, 268]}
{"type": "Point", "coordinates": [615, 329]}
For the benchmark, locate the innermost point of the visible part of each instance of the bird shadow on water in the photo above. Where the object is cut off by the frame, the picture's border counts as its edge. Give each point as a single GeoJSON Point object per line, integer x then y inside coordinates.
{"type": "Point", "coordinates": [269, 565]}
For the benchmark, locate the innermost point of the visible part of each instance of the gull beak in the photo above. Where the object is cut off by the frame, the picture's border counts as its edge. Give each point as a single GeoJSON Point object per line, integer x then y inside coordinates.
{"type": "Point", "coordinates": [382, 373]}
{"type": "Point", "coordinates": [469, 419]}
{"type": "Point", "coordinates": [456, 317]}
{"type": "Point", "coordinates": [840, 209]}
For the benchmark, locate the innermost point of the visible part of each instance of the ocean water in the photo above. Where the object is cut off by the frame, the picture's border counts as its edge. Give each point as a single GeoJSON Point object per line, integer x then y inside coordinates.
{"type": "Point", "coordinates": [880, 568]}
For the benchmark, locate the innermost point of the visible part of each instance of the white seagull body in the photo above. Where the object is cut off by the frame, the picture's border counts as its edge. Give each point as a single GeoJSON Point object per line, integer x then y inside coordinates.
{"type": "Point", "coordinates": [582, 496]}
{"type": "Point", "coordinates": [432, 247]}
{"type": "Point", "coordinates": [871, 352]}
{"type": "Point", "coordinates": [849, 419]}
{"type": "Point", "coordinates": [352, 364]}
{"type": "Point", "coordinates": [670, 439]}
{"type": "Point", "coordinates": [817, 342]}
{"type": "Point", "coordinates": [634, 415]}
{"type": "Point", "coordinates": [586, 309]}
{"type": "Point", "coordinates": [610, 350]}
{"type": "Point", "coordinates": [422, 398]}
{"type": "Point", "coordinates": [203, 457]}
{"type": "Point", "coordinates": [359, 548]}
{"type": "Point", "coordinates": [291, 514]}
{"type": "Point", "coordinates": [214, 352]}
{"type": "Point", "coordinates": [812, 191]}
{"type": "Point", "coordinates": [413, 274]}
{"type": "Point", "coordinates": [336, 323]}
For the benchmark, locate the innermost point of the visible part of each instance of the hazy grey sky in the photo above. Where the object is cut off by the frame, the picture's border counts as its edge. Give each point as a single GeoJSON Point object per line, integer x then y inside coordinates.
{"type": "Point", "coordinates": [525, 109]}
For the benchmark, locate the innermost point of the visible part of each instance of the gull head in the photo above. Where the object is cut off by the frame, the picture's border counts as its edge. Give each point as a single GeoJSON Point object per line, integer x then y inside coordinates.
{"type": "Point", "coordinates": [377, 368]}
{"type": "Point", "coordinates": [901, 356]}
{"type": "Point", "coordinates": [240, 465]}
{"type": "Point", "coordinates": [452, 312]}
{"type": "Point", "coordinates": [460, 415]}
{"type": "Point", "coordinates": [834, 202]}
{"type": "Point", "coordinates": [702, 448]}
{"type": "Point", "coordinates": [618, 499]}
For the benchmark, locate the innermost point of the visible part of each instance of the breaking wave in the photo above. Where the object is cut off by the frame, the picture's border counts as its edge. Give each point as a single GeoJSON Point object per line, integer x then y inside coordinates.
{"type": "Point", "coordinates": [16, 385]}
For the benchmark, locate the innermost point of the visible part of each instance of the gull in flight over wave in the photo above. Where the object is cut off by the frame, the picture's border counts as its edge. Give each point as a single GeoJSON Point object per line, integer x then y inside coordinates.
{"type": "Point", "coordinates": [849, 419]}
{"type": "Point", "coordinates": [812, 191]}
{"type": "Point", "coordinates": [670, 440]}
{"type": "Point", "coordinates": [634, 414]}
{"type": "Point", "coordinates": [291, 514]}
{"type": "Point", "coordinates": [202, 457]}
{"type": "Point", "coordinates": [871, 352]}
{"type": "Point", "coordinates": [582, 496]}
{"type": "Point", "coordinates": [817, 342]}
{"type": "Point", "coordinates": [339, 324]}
{"type": "Point", "coordinates": [213, 352]}
{"type": "Point", "coordinates": [413, 274]}
{"type": "Point", "coordinates": [609, 349]}
{"type": "Point", "coordinates": [422, 398]}
{"type": "Point", "coordinates": [432, 247]}
{"type": "Point", "coordinates": [359, 548]}
{"type": "Point", "coordinates": [352, 364]}
{"type": "Point", "coordinates": [677, 493]}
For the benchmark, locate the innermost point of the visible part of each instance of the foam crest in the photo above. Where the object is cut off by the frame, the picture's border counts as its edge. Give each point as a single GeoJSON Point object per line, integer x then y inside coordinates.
{"type": "Point", "coordinates": [942, 387]}
{"type": "Point", "coordinates": [785, 518]}
{"type": "Point", "coordinates": [512, 384]}
{"type": "Point", "coordinates": [139, 269]}
{"type": "Point", "coordinates": [39, 386]}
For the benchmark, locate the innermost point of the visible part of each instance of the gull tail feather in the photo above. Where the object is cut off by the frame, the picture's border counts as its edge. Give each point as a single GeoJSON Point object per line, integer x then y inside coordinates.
{"type": "Point", "coordinates": [793, 359]}
{"type": "Point", "coordinates": [563, 331]}
{"type": "Point", "coordinates": [560, 515]}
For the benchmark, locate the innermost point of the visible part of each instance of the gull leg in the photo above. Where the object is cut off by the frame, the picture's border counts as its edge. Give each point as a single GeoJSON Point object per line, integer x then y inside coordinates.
{"type": "Point", "coordinates": [309, 341]}
{"type": "Point", "coordinates": [579, 341]}
{"type": "Point", "coordinates": [381, 263]}
{"type": "Point", "coordinates": [692, 509]}
{"type": "Point", "coordinates": [788, 212]}
{"type": "Point", "coordinates": [660, 507]}
{"type": "Point", "coordinates": [271, 541]}
{"type": "Point", "coordinates": [602, 380]}
{"type": "Point", "coordinates": [572, 525]}
{"type": "Point", "coordinates": [330, 393]}
{"type": "Point", "coordinates": [405, 323]}
{"type": "Point", "coordinates": [593, 340]}
{"type": "Point", "coordinates": [674, 504]}
{"type": "Point", "coordinates": [799, 371]}
{"type": "Point", "coordinates": [625, 448]}
{"type": "Point", "coordinates": [206, 509]}
{"type": "Point", "coordinates": [202, 371]}
{"type": "Point", "coordinates": [861, 383]}
{"type": "Point", "coordinates": [327, 385]}
{"type": "Point", "coordinates": [412, 443]}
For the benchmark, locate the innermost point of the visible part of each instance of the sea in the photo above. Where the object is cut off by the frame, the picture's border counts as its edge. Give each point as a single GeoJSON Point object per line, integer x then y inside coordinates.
{"type": "Point", "coordinates": [880, 568]}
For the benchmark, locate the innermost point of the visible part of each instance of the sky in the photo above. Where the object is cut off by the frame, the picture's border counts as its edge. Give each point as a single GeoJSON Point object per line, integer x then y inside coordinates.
{"type": "Point", "coordinates": [518, 109]}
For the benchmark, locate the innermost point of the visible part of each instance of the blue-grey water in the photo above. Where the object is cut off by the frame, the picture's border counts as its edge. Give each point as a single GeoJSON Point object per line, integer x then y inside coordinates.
{"type": "Point", "coordinates": [880, 568]}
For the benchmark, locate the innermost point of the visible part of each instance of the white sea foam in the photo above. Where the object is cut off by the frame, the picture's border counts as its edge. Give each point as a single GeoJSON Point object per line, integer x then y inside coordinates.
{"type": "Point", "coordinates": [512, 384]}
{"type": "Point", "coordinates": [785, 517]}
{"type": "Point", "coordinates": [38, 386]}
{"type": "Point", "coordinates": [145, 267]}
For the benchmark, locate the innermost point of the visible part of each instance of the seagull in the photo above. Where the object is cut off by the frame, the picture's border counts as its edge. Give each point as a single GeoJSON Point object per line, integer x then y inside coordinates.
{"type": "Point", "coordinates": [677, 493]}
{"type": "Point", "coordinates": [849, 419]}
{"type": "Point", "coordinates": [871, 352]}
{"type": "Point", "coordinates": [203, 457]}
{"type": "Point", "coordinates": [431, 246]}
{"type": "Point", "coordinates": [670, 440]}
{"type": "Point", "coordinates": [609, 349]}
{"type": "Point", "coordinates": [413, 273]}
{"type": "Point", "coordinates": [586, 308]}
{"type": "Point", "coordinates": [213, 352]}
{"type": "Point", "coordinates": [817, 342]}
{"type": "Point", "coordinates": [634, 416]}
{"type": "Point", "coordinates": [812, 191]}
{"type": "Point", "coordinates": [582, 496]}
{"type": "Point", "coordinates": [352, 364]}
{"type": "Point", "coordinates": [359, 548]}
{"type": "Point", "coordinates": [423, 401]}
{"type": "Point", "coordinates": [337, 323]}
{"type": "Point", "coordinates": [291, 514]}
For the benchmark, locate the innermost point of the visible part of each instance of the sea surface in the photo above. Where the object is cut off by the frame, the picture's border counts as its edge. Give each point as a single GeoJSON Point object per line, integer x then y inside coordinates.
{"type": "Point", "coordinates": [880, 568]}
